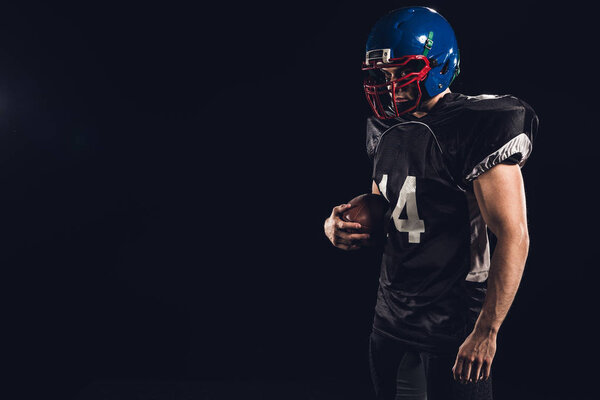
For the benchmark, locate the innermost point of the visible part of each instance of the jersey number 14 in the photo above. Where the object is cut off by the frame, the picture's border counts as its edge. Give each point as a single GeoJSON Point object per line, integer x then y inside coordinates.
{"type": "Point", "coordinates": [406, 198]}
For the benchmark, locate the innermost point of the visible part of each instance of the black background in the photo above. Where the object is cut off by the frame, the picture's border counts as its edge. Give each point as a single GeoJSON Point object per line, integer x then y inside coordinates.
{"type": "Point", "coordinates": [166, 169]}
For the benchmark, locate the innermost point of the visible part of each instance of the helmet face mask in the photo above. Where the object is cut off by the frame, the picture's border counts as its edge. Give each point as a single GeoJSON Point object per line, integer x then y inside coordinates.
{"type": "Point", "coordinates": [382, 92]}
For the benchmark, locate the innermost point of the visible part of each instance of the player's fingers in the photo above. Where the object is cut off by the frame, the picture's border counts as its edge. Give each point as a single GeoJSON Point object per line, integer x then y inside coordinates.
{"type": "Point", "coordinates": [338, 210]}
{"type": "Point", "coordinates": [487, 370]}
{"type": "Point", "coordinates": [476, 373]}
{"type": "Point", "coordinates": [354, 241]}
{"type": "Point", "coordinates": [348, 246]}
{"type": "Point", "coordinates": [466, 371]}
{"type": "Point", "coordinates": [341, 239]}
{"type": "Point", "coordinates": [356, 237]}
{"type": "Point", "coordinates": [346, 226]}
{"type": "Point", "coordinates": [349, 239]}
{"type": "Point", "coordinates": [457, 369]}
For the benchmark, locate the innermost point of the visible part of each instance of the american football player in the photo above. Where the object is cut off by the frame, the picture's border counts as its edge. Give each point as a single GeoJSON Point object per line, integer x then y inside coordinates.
{"type": "Point", "coordinates": [449, 166]}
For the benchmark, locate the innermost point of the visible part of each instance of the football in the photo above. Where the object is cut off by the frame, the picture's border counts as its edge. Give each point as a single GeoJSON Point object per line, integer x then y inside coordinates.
{"type": "Point", "coordinates": [368, 210]}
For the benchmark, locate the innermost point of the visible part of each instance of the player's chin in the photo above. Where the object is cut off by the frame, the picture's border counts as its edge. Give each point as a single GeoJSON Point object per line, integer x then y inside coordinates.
{"type": "Point", "coordinates": [404, 105]}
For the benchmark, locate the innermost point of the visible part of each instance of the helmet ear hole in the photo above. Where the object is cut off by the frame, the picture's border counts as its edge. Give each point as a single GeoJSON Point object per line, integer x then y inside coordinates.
{"type": "Point", "coordinates": [445, 67]}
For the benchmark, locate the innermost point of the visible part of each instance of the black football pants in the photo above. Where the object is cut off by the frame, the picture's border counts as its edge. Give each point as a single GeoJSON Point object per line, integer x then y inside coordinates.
{"type": "Point", "coordinates": [400, 373]}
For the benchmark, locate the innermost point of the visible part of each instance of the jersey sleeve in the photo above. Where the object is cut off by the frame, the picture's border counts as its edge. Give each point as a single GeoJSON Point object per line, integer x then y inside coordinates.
{"type": "Point", "coordinates": [503, 135]}
{"type": "Point", "coordinates": [374, 131]}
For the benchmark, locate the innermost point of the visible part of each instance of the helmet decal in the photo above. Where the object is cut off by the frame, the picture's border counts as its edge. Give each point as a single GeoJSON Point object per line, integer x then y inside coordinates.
{"type": "Point", "coordinates": [428, 44]}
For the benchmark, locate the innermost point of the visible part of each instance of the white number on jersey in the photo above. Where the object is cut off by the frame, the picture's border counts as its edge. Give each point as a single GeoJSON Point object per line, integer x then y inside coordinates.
{"type": "Point", "coordinates": [407, 198]}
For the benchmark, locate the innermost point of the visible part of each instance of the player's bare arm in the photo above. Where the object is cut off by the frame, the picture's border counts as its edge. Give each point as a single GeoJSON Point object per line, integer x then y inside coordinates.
{"type": "Point", "coordinates": [342, 234]}
{"type": "Point", "coordinates": [501, 198]}
{"type": "Point", "coordinates": [375, 189]}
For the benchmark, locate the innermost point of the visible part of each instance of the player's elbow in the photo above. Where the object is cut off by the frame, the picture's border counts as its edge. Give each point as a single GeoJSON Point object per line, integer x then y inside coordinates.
{"type": "Point", "coordinates": [521, 239]}
{"type": "Point", "coordinates": [515, 233]}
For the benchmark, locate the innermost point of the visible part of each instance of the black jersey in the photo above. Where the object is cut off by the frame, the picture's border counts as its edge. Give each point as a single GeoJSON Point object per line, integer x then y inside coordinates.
{"type": "Point", "coordinates": [436, 257]}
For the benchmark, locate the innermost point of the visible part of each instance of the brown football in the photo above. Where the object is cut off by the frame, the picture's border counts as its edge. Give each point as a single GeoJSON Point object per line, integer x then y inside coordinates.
{"type": "Point", "coordinates": [368, 210]}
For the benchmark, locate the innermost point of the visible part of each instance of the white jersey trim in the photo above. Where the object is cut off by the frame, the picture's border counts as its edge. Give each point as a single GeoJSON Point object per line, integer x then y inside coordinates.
{"type": "Point", "coordinates": [479, 243]}
{"type": "Point", "coordinates": [518, 145]}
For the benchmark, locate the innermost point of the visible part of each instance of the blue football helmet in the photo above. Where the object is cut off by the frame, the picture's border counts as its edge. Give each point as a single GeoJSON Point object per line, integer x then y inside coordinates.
{"type": "Point", "coordinates": [423, 44]}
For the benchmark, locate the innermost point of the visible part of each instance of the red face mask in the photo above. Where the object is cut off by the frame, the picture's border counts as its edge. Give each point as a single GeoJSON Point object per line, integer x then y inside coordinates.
{"type": "Point", "coordinates": [382, 93]}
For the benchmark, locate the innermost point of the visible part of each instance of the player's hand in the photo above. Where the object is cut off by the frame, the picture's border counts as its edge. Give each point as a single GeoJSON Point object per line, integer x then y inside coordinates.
{"type": "Point", "coordinates": [342, 234]}
{"type": "Point", "coordinates": [474, 359]}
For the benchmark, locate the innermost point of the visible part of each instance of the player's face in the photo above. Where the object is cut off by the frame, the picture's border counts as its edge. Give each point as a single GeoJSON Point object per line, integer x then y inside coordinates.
{"type": "Point", "coordinates": [404, 94]}
{"type": "Point", "coordinates": [396, 89]}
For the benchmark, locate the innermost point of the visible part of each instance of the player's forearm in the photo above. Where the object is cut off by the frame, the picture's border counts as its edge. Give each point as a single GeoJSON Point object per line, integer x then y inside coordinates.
{"type": "Point", "coordinates": [506, 270]}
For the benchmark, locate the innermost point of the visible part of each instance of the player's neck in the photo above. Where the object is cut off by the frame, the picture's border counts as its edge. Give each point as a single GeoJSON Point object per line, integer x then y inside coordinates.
{"type": "Point", "coordinates": [428, 105]}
